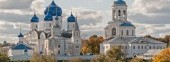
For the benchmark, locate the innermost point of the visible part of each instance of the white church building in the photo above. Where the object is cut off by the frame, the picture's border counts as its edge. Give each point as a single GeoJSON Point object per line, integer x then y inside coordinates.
{"type": "Point", "coordinates": [121, 32]}
{"type": "Point", "coordinates": [65, 44]}
{"type": "Point", "coordinates": [50, 40]}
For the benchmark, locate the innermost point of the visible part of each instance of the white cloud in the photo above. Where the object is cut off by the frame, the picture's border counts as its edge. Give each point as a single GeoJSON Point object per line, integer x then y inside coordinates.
{"type": "Point", "coordinates": [150, 16]}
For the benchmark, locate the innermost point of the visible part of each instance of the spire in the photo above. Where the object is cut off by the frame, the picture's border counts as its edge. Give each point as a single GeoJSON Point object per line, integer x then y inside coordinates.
{"type": "Point", "coordinates": [34, 11]}
{"type": "Point", "coordinates": [34, 18]}
{"type": "Point", "coordinates": [20, 35]}
{"type": "Point", "coordinates": [71, 12]}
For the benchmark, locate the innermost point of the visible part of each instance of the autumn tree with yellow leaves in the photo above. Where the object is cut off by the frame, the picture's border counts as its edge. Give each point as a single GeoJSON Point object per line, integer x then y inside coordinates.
{"type": "Point", "coordinates": [163, 56]}
{"type": "Point", "coordinates": [92, 45]}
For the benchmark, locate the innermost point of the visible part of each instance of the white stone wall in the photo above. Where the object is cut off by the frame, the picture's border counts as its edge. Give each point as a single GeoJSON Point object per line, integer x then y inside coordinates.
{"type": "Point", "coordinates": [48, 25]}
{"type": "Point", "coordinates": [139, 50]}
{"type": "Point", "coordinates": [108, 30]}
{"type": "Point", "coordinates": [19, 52]}
{"type": "Point", "coordinates": [33, 26]}
{"type": "Point", "coordinates": [70, 26]}
{"type": "Point", "coordinates": [131, 31]}
{"type": "Point", "coordinates": [129, 50]}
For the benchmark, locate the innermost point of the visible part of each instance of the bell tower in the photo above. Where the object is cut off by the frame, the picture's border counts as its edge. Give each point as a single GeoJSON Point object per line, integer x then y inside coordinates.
{"type": "Point", "coordinates": [119, 11]}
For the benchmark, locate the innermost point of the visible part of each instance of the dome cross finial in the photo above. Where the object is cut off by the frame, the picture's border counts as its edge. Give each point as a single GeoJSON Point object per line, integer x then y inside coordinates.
{"type": "Point", "coordinates": [34, 11]}
{"type": "Point", "coordinates": [71, 12]}
{"type": "Point", "coordinates": [20, 29]}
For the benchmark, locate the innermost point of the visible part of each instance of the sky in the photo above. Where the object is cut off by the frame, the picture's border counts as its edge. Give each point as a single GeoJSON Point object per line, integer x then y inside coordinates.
{"type": "Point", "coordinates": [151, 17]}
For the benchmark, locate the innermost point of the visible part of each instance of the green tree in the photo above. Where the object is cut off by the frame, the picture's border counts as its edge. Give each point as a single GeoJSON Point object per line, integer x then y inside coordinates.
{"type": "Point", "coordinates": [42, 58]}
{"type": "Point", "coordinates": [76, 60]}
{"type": "Point", "coordinates": [115, 54]}
{"type": "Point", "coordinates": [100, 58]}
{"type": "Point", "coordinates": [137, 60]}
{"type": "Point", "coordinates": [4, 58]}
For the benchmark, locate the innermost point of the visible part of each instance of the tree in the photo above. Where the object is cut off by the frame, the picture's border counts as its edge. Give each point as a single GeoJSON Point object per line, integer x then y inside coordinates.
{"type": "Point", "coordinates": [4, 58]}
{"type": "Point", "coordinates": [92, 45]}
{"type": "Point", "coordinates": [76, 60]}
{"type": "Point", "coordinates": [137, 60]}
{"type": "Point", "coordinates": [115, 54]}
{"type": "Point", "coordinates": [42, 58]}
{"type": "Point", "coordinates": [163, 56]}
{"type": "Point", "coordinates": [1, 45]}
{"type": "Point", "coordinates": [100, 58]}
{"type": "Point", "coordinates": [167, 40]}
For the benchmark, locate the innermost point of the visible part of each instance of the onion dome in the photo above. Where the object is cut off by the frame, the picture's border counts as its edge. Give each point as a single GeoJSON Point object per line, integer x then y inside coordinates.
{"type": "Point", "coordinates": [53, 9]}
{"type": "Point", "coordinates": [59, 11]}
{"type": "Point", "coordinates": [48, 17]}
{"type": "Point", "coordinates": [20, 35]}
{"type": "Point", "coordinates": [71, 18]}
{"type": "Point", "coordinates": [35, 18]}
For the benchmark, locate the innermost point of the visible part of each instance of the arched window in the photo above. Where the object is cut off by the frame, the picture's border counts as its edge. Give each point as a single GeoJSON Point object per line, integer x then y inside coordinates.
{"type": "Point", "coordinates": [122, 32]}
{"type": "Point", "coordinates": [58, 51]}
{"type": "Point", "coordinates": [127, 32]}
{"type": "Point", "coordinates": [114, 31]}
{"type": "Point", "coordinates": [36, 26]}
{"type": "Point", "coordinates": [73, 25]}
{"type": "Point", "coordinates": [114, 13]}
{"type": "Point", "coordinates": [119, 13]}
{"type": "Point", "coordinates": [68, 26]}
{"type": "Point", "coordinates": [132, 33]}
{"type": "Point", "coordinates": [124, 12]}
{"type": "Point", "coordinates": [50, 25]}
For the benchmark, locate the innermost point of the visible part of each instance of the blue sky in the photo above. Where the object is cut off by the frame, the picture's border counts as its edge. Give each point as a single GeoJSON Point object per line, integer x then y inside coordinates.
{"type": "Point", "coordinates": [149, 16]}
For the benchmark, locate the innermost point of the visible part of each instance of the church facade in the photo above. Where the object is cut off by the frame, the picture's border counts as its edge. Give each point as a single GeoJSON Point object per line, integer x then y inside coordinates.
{"type": "Point", "coordinates": [52, 40]}
{"type": "Point", "coordinates": [121, 32]}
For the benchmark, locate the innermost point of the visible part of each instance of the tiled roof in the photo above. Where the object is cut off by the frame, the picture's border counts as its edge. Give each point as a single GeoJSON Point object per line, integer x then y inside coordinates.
{"type": "Point", "coordinates": [20, 47]}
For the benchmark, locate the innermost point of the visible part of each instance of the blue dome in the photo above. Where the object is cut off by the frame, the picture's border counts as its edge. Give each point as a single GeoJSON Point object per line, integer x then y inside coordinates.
{"type": "Point", "coordinates": [59, 11]}
{"type": "Point", "coordinates": [53, 9]}
{"type": "Point", "coordinates": [120, 2]}
{"type": "Point", "coordinates": [71, 18]}
{"type": "Point", "coordinates": [126, 24]}
{"type": "Point", "coordinates": [21, 46]}
{"type": "Point", "coordinates": [48, 17]}
{"type": "Point", "coordinates": [20, 35]}
{"type": "Point", "coordinates": [35, 18]}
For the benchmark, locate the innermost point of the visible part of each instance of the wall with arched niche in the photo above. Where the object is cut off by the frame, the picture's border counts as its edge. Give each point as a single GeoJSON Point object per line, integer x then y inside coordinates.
{"type": "Point", "coordinates": [42, 42]}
